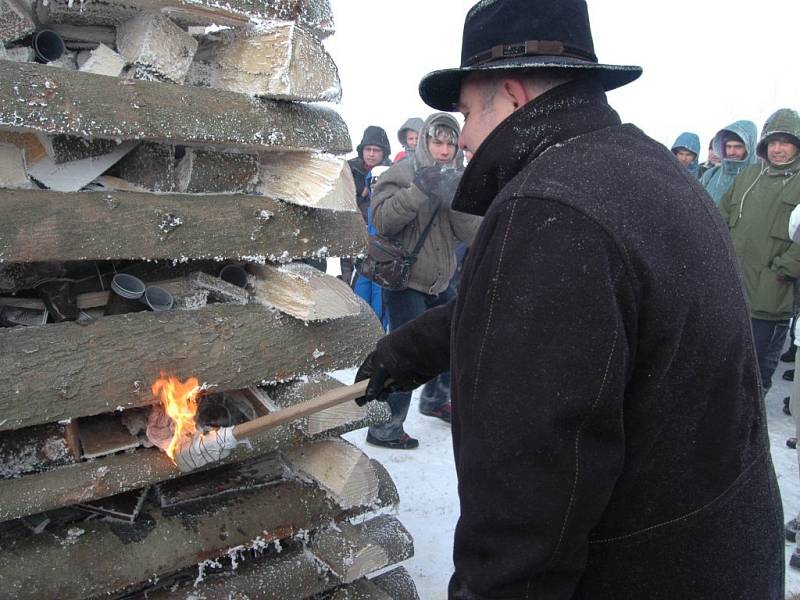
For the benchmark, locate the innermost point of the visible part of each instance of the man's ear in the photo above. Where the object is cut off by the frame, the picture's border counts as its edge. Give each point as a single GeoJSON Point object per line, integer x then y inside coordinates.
{"type": "Point", "coordinates": [516, 93]}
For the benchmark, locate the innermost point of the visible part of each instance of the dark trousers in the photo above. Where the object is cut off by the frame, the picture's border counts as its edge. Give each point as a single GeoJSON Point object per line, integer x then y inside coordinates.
{"type": "Point", "coordinates": [403, 306]}
{"type": "Point", "coordinates": [769, 337]}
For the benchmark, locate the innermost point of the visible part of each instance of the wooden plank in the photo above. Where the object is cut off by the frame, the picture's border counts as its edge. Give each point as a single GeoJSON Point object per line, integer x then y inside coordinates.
{"type": "Point", "coordinates": [314, 180]}
{"type": "Point", "coordinates": [353, 551]}
{"type": "Point", "coordinates": [156, 48]}
{"type": "Point", "coordinates": [279, 61]}
{"type": "Point", "coordinates": [45, 226]}
{"type": "Point", "coordinates": [231, 13]}
{"type": "Point", "coordinates": [56, 101]}
{"type": "Point", "coordinates": [28, 142]}
{"type": "Point", "coordinates": [303, 292]}
{"type": "Point", "coordinates": [104, 434]}
{"type": "Point", "coordinates": [340, 467]}
{"type": "Point", "coordinates": [72, 370]}
{"type": "Point", "coordinates": [203, 171]}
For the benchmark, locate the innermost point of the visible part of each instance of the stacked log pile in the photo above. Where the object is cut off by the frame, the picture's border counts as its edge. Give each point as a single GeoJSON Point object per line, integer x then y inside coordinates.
{"type": "Point", "coordinates": [176, 141]}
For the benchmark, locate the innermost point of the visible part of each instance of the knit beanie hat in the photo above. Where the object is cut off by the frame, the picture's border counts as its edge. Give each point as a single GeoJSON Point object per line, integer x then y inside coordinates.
{"type": "Point", "coordinates": [374, 136]}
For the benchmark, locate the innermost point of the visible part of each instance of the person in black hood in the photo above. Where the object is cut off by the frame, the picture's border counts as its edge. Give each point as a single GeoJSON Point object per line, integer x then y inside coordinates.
{"type": "Point", "coordinates": [374, 150]}
{"type": "Point", "coordinates": [645, 472]}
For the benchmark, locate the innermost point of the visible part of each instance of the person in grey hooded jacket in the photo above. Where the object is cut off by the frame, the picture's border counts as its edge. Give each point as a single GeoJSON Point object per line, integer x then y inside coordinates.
{"type": "Point", "coordinates": [736, 146]}
{"type": "Point", "coordinates": [407, 135]}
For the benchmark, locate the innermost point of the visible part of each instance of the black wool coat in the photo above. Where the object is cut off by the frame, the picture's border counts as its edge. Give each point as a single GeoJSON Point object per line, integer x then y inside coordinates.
{"type": "Point", "coordinates": [609, 434]}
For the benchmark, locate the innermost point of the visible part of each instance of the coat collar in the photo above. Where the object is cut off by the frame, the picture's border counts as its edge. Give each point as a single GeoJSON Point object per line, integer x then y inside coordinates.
{"type": "Point", "coordinates": [556, 116]}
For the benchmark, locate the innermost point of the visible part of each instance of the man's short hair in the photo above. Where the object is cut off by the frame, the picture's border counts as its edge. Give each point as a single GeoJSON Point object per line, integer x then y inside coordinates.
{"type": "Point", "coordinates": [786, 138]}
{"type": "Point", "coordinates": [729, 136]}
{"type": "Point", "coordinates": [529, 77]}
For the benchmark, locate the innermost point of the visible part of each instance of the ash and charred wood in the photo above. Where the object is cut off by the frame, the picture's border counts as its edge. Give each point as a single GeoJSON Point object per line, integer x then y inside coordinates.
{"type": "Point", "coordinates": [331, 421]}
{"type": "Point", "coordinates": [35, 449]}
{"type": "Point", "coordinates": [204, 171]}
{"type": "Point", "coordinates": [281, 61]}
{"type": "Point", "coordinates": [232, 13]}
{"type": "Point", "coordinates": [353, 551]}
{"type": "Point", "coordinates": [72, 370]}
{"type": "Point", "coordinates": [55, 101]}
{"type": "Point", "coordinates": [313, 180]}
{"type": "Point", "coordinates": [39, 226]}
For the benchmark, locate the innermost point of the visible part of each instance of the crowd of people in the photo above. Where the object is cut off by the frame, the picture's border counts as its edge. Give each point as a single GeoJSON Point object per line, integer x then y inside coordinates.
{"type": "Point", "coordinates": [646, 471]}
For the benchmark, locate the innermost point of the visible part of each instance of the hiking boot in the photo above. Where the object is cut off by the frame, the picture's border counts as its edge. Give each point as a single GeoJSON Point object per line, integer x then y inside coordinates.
{"type": "Point", "coordinates": [788, 375]}
{"type": "Point", "coordinates": [444, 412]}
{"type": "Point", "coordinates": [792, 443]}
{"type": "Point", "coordinates": [790, 530]}
{"type": "Point", "coordinates": [788, 356]}
{"type": "Point", "coordinates": [794, 559]}
{"type": "Point", "coordinates": [404, 442]}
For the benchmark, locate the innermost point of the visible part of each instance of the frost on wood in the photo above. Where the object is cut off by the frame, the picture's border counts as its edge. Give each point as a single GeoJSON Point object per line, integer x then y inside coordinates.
{"type": "Point", "coordinates": [231, 13]}
{"type": "Point", "coordinates": [156, 47]}
{"type": "Point", "coordinates": [54, 101]}
{"type": "Point", "coordinates": [303, 292]}
{"type": "Point", "coordinates": [204, 171]}
{"type": "Point", "coordinates": [279, 61]}
{"type": "Point", "coordinates": [15, 22]}
{"type": "Point", "coordinates": [315, 180]}
{"type": "Point", "coordinates": [103, 61]}
{"type": "Point", "coordinates": [47, 226]}
{"type": "Point", "coordinates": [150, 167]}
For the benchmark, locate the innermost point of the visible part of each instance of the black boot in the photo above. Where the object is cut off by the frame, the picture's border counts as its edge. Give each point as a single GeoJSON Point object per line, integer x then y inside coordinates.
{"type": "Point", "coordinates": [788, 356]}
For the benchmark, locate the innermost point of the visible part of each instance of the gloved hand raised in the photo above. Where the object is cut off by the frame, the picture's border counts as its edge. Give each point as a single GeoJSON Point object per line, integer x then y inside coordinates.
{"type": "Point", "coordinates": [381, 382]}
{"type": "Point", "coordinates": [438, 183]}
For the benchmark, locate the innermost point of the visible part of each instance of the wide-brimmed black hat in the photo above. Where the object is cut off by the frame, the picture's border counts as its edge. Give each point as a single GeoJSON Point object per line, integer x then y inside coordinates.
{"type": "Point", "coordinates": [514, 35]}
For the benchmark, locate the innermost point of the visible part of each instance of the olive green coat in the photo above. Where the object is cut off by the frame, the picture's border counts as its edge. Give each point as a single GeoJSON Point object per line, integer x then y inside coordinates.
{"type": "Point", "coordinates": [757, 209]}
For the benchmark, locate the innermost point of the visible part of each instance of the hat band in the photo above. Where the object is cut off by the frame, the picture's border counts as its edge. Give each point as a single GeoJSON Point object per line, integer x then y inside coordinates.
{"type": "Point", "coordinates": [529, 48]}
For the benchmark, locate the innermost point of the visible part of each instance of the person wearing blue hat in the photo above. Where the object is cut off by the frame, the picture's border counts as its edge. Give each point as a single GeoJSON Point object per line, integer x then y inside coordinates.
{"type": "Point", "coordinates": [609, 433]}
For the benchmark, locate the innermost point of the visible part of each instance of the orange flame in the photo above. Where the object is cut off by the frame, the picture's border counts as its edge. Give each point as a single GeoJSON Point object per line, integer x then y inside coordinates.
{"type": "Point", "coordinates": [180, 403]}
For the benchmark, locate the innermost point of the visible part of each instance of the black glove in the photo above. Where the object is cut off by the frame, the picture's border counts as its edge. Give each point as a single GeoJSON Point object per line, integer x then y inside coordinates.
{"type": "Point", "coordinates": [381, 383]}
{"type": "Point", "coordinates": [438, 183]}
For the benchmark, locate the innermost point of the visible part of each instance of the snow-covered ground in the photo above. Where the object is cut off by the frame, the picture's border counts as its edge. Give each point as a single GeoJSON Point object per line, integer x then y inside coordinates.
{"type": "Point", "coordinates": [426, 481]}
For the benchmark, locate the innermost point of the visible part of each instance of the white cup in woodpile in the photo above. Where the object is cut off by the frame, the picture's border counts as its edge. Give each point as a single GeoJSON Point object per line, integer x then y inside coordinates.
{"type": "Point", "coordinates": [128, 286]}
{"type": "Point", "coordinates": [158, 298]}
{"type": "Point", "coordinates": [47, 45]}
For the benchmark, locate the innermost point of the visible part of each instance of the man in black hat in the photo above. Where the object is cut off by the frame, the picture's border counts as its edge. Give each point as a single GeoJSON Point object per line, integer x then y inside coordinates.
{"type": "Point", "coordinates": [644, 473]}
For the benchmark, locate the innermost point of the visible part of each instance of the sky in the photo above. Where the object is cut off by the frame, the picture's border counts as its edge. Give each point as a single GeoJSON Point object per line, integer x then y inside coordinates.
{"type": "Point", "coordinates": [706, 63]}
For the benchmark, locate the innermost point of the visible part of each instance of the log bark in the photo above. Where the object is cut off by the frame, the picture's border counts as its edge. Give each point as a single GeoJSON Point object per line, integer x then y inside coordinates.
{"type": "Point", "coordinates": [232, 13]}
{"type": "Point", "coordinates": [43, 226]}
{"type": "Point", "coordinates": [68, 148]}
{"type": "Point", "coordinates": [150, 167]}
{"type": "Point", "coordinates": [74, 175]}
{"type": "Point", "coordinates": [313, 180]}
{"type": "Point", "coordinates": [353, 551]}
{"type": "Point", "coordinates": [303, 292]}
{"type": "Point", "coordinates": [72, 370]}
{"type": "Point", "coordinates": [397, 583]}
{"type": "Point", "coordinates": [317, 16]}
{"type": "Point", "coordinates": [57, 101]}
{"type": "Point", "coordinates": [280, 61]}
{"type": "Point", "coordinates": [203, 171]}
{"type": "Point", "coordinates": [88, 34]}
{"type": "Point", "coordinates": [15, 22]}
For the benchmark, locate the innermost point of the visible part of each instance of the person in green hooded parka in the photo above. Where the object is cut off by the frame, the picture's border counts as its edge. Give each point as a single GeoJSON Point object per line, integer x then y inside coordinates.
{"type": "Point", "coordinates": [757, 209]}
